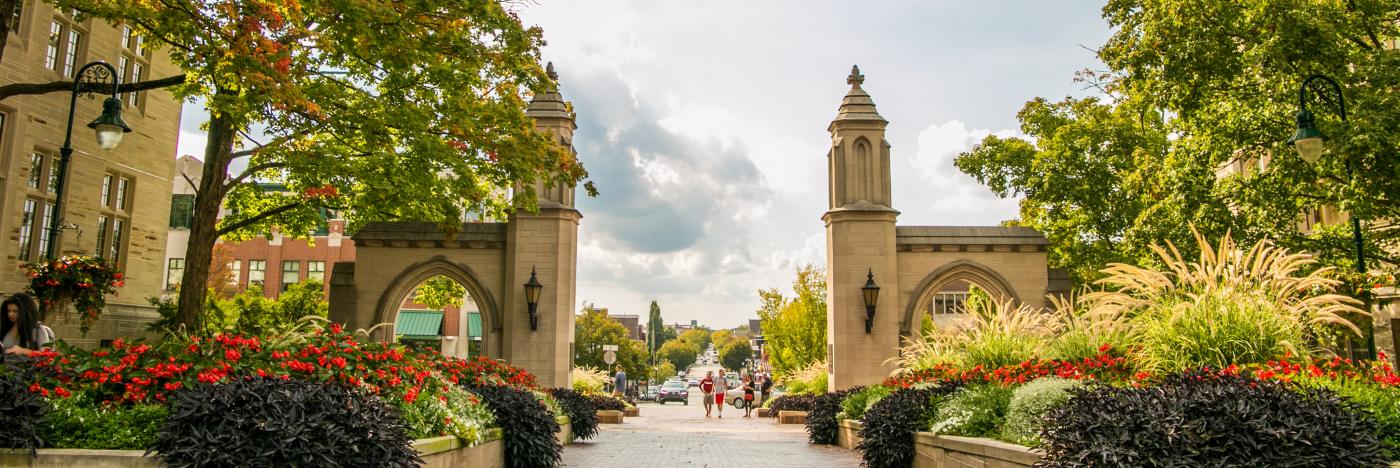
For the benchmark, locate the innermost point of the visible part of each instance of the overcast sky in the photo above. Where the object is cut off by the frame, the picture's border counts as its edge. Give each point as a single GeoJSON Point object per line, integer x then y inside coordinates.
{"type": "Point", "coordinates": [704, 126]}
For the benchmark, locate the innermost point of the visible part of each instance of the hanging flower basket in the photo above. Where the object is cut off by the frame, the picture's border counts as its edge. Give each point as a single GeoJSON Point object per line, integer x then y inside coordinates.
{"type": "Point", "coordinates": [75, 283]}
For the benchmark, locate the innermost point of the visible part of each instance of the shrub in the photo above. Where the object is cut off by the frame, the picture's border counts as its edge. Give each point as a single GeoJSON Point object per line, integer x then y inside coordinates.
{"type": "Point", "coordinates": [1029, 405]}
{"type": "Point", "coordinates": [790, 402]}
{"type": "Point", "coordinates": [1230, 306]}
{"type": "Point", "coordinates": [77, 422]}
{"type": "Point", "coordinates": [974, 411]}
{"type": "Point", "coordinates": [22, 410]}
{"type": "Point", "coordinates": [276, 422]}
{"type": "Point", "coordinates": [589, 381]}
{"type": "Point", "coordinates": [529, 427]}
{"type": "Point", "coordinates": [583, 415]}
{"type": "Point", "coordinates": [1199, 419]}
{"type": "Point", "coordinates": [855, 405]}
{"type": "Point", "coordinates": [449, 410]}
{"type": "Point", "coordinates": [1381, 403]}
{"type": "Point", "coordinates": [888, 431]}
{"type": "Point", "coordinates": [810, 380]}
{"type": "Point", "coordinates": [821, 419]}
{"type": "Point", "coordinates": [998, 334]}
{"type": "Point", "coordinates": [1084, 332]}
{"type": "Point", "coordinates": [607, 403]}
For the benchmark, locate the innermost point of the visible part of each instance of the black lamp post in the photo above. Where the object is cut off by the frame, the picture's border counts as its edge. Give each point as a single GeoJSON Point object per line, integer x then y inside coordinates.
{"type": "Point", "coordinates": [870, 293]}
{"type": "Point", "coordinates": [1308, 141]}
{"type": "Point", "coordinates": [532, 299]}
{"type": "Point", "coordinates": [109, 127]}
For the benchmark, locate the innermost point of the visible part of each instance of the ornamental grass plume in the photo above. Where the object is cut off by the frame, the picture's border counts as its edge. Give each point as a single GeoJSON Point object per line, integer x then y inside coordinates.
{"type": "Point", "coordinates": [1229, 306]}
{"type": "Point", "coordinates": [998, 333]}
{"type": "Point", "coordinates": [589, 380]}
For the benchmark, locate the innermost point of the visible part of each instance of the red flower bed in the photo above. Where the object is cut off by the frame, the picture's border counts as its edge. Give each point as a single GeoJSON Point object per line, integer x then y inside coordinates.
{"type": "Point", "coordinates": [1107, 365]}
{"type": "Point", "coordinates": [144, 373]}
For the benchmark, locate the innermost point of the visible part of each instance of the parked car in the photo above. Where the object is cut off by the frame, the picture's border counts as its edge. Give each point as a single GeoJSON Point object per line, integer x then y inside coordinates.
{"type": "Point", "coordinates": [673, 391]}
{"type": "Point", "coordinates": [694, 382]}
{"type": "Point", "coordinates": [651, 393]}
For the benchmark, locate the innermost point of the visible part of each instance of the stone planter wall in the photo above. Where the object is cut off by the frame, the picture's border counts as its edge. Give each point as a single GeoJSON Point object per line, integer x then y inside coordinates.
{"type": "Point", "coordinates": [792, 417]}
{"type": "Point", "coordinates": [566, 430]}
{"type": "Point", "coordinates": [848, 434]}
{"type": "Point", "coordinates": [935, 451]}
{"type": "Point", "coordinates": [609, 417]}
{"type": "Point", "coordinates": [437, 452]}
{"type": "Point", "coordinates": [632, 412]}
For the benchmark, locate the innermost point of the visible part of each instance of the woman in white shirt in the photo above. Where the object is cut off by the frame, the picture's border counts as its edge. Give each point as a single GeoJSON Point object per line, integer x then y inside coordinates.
{"type": "Point", "coordinates": [23, 334]}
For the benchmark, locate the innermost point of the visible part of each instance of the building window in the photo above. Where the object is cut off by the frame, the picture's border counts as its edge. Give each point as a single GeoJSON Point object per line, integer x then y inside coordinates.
{"type": "Point", "coordinates": [949, 303]}
{"type": "Point", "coordinates": [107, 190]}
{"type": "Point", "coordinates": [134, 98]}
{"type": "Point", "coordinates": [15, 18]}
{"type": "Point", "coordinates": [291, 273]}
{"type": "Point", "coordinates": [257, 271]}
{"type": "Point", "coordinates": [36, 170]}
{"type": "Point", "coordinates": [26, 229]}
{"type": "Point", "coordinates": [45, 224]}
{"type": "Point", "coordinates": [237, 268]}
{"type": "Point", "coordinates": [55, 38]}
{"type": "Point", "coordinates": [122, 185]}
{"type": "Point", "coordinates": [316, 271]}
{"type": "Point", "coordinates": [70, 54]}
{"type": "Point", "coordinates": [127, 33]}
{"type": "Point", "coordinates": [112, 221]}
{"type": "Point", "coordinates": [181, 211]}
{"type": "Point", "coordinates": [174, 272]}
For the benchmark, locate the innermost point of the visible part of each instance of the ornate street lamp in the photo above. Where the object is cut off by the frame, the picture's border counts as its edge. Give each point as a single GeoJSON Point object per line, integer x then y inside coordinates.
{"type": "Point", "coordinates": [1308, 142]}
{"type": "Point", "coordinates": [870, 293]}
{"type": "Point", "coordinates": [532, 299]}
{"type": "Point", "coordinates": [109, 127]}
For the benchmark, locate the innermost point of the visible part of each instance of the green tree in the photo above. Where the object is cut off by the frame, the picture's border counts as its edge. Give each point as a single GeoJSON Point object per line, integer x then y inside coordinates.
{"type": "Point", "coordinates": [680, 353]}
{"type": "Point", "coordinates": [419, 123]}
{"type": "Point", "coordinates": [1195, 86]}
{"type": "Point", "coordinates": [794, 330]}
{"type": "Point", "coordinates": [592, 330]}
{"type": "Point", "coordinates": [734, 353]}
{"type": "Point", "coordinates": [249, 312]}
{"type": "Point", "coordinates": [657, 331]}
{"type": "Point", "coordinates": [661, 371]}
{"type": "Point", "coordinates": [698, 337]}
{"type": "Point", "coordinates": [439, 292]}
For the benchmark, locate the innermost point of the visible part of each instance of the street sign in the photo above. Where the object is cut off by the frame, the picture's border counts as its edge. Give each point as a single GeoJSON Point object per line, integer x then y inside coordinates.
{"type": "Point", "coordinates": [609, 347]}
{"type": "Point", "coordinates": [610, 357]}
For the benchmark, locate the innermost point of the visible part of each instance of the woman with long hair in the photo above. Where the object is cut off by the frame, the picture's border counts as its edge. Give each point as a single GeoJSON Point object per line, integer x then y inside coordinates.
{"type": "Point", "coordinates": [22, 332]}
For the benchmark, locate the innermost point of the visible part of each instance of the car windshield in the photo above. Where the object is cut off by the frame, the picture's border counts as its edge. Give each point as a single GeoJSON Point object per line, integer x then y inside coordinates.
{"type": "Point", "coordinates": [674, 385]}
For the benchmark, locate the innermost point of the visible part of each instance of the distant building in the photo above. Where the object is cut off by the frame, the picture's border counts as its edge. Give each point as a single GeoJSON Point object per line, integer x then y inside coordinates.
{"type": "Point", "coordinates": [632, 323]}
{"type": "Point", "coordinates": [755, 327]}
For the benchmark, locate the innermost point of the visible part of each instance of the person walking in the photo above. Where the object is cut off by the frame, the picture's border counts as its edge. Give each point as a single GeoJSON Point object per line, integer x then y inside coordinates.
{"type": "Point", "coordinates": [707, 387]}
{"type": "Point", "coordinates": [619, 382]}
{"type": "Point", "coordinates": [765, 388]}
{"type": "Point", "coordinates": [721, 384]}
{"type": "Point", "coordinates": [748, 389]}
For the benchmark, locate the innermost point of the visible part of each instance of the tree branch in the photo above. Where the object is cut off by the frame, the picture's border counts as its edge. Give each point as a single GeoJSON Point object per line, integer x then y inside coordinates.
{"type": "Point", "coordinates": [223, 231]}
{"type": "Point", "coordinates": [249, 172]}
{"type": "Point", "coordinates": [22, 89]}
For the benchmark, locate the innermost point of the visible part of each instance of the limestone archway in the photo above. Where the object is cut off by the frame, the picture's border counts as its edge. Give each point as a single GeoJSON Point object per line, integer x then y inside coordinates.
{"type": "Point", "coordinates": [951, 273]}
{"type": "Point", "coordinates": [387, 308]}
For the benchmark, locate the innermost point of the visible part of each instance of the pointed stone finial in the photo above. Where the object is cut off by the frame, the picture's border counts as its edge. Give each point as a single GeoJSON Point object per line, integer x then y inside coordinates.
{"type": "Point", "coordinates": [856, 79]}
{"type": "Point", "coordinates": [549, 71]}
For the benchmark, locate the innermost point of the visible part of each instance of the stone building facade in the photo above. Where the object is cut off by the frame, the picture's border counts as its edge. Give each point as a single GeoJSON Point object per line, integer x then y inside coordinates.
{"type": "Point", "coordinates": [116, 202]}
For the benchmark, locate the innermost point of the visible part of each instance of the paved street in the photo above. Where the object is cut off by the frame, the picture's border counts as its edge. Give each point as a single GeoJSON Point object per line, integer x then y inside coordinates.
{"type": "Point", "coordinates": [676, 434]}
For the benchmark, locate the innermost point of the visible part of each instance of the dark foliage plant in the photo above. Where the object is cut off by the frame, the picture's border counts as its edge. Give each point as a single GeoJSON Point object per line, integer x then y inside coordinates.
{"type": "Point", "coordinates": [22, 412]}
{"type": "Point", "coordinates": [583, 415]}
{"type": "Point", "coordinates": [888, 428]}
{"type": "Point", "coordinates": [269, 422]}
{"type": "Point", "coordinates": [791, 403]}
{"type": "Point", "coordinates": [529, 427]}
{"type": "Point", "coordinates": [1206, 419]}
{"type": "Point", "coordinates": [607, 403]}
{"type": "Point", "coordinates": [821, 419]}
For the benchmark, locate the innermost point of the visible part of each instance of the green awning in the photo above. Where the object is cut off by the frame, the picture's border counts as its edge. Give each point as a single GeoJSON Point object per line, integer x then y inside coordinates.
{"type": "Point", "coordinates": [474, 325]}
{"type": "Point", "coordinates": [419, 324]}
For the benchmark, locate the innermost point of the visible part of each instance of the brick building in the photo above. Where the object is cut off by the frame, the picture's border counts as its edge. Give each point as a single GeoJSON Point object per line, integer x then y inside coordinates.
{"type": "Point", "coordinates": [116, 202]}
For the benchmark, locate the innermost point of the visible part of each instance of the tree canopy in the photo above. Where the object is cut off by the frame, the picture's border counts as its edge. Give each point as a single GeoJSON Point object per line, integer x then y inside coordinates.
{"type": "Point", "coordinates": [1196, 87]}
{"type": "Point", "coordinates": [794, 329]}
{"type": "Point", "coordinates": [439, 292]}
{"type": "Point", "coordinates": [592, 330]}
{"type": "Point", "coordinates": [377, 109]}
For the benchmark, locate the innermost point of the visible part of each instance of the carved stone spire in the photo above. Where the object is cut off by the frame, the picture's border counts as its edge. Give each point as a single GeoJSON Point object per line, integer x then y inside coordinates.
{"type": "Point", "coordinates": [856, 79]}
{"type": "Point", "coordinates": [857, 105]}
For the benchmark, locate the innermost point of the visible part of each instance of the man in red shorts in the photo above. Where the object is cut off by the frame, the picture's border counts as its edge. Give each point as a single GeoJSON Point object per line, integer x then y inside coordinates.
{"type": "Point", "coordinates": [707, 387]}
{"type": "Point", "coordinates": [721, 384]}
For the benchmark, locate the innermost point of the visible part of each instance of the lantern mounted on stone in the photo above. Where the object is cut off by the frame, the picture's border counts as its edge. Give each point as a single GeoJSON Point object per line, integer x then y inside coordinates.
{"type": "Point", "coordinates": [532, 299]}
{"type": "Point", "coordinates": [870, 293]}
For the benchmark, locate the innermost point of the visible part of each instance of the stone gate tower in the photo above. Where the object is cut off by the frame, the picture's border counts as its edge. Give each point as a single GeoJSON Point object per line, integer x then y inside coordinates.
{"type": "Point", "coordinates": [860, 241]}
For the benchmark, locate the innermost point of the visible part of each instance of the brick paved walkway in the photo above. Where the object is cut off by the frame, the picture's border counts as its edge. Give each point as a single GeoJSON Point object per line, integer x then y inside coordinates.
{"type": "Point", "coordinates": [679, 435]}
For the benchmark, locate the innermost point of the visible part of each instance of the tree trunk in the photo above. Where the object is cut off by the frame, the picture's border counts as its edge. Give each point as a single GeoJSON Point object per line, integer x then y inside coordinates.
{"type": "Point", "coordinates": [218, 153]}
{"type": "Point", "coordinates": [7, 11]}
